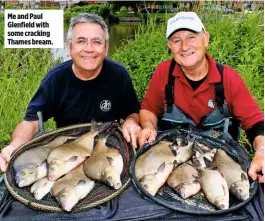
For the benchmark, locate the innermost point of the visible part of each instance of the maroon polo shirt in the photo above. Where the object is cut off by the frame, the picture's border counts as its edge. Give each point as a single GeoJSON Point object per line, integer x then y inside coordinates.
{"type": "Point", "coordinates": [198, 103]}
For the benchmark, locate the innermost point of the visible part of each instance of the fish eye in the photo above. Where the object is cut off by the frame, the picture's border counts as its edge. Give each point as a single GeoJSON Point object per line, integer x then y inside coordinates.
{"type": "Point", "coordinates": [145, 186]}
{"type": "Point", "coordinates": [51, 169]}
{"type": "Point", "coordinates": [109, 178]}
{"type": "Point", "coordinates": [31, 172]}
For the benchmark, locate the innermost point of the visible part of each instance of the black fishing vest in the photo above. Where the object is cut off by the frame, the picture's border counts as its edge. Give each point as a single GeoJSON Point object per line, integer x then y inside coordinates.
{"type": "Point", "coordinates": [218, 120]}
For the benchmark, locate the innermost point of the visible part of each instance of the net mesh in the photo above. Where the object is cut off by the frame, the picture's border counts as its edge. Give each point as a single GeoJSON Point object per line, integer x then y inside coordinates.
{"type": "Point", "coordinates": [196, 204]}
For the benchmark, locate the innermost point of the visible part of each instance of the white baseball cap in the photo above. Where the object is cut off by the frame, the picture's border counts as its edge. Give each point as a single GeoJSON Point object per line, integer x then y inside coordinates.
{"type": "Point", "coordinates": [184, 20]}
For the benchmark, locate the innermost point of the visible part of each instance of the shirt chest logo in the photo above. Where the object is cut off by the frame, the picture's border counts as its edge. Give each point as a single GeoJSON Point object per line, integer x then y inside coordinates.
{"type": "Point", "coordinates": [105, 105]}
{"type": "Point", "coordinates": [211, 103]}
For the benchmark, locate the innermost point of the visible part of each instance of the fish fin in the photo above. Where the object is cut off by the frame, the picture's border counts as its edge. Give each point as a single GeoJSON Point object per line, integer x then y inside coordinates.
{"type": "Point", "coordinates": [196, 163]}
{"type": "Point", "coordinates": [161, 168]}
{"type": "Point", "coordinates": [195, 177]}
{"type": "Point", "coordinates": [72, 159]}
{"type": "Point", "coordinates": [94, 124]}
{"type": "Point", "coordinates": [81, 182]}
{"type": "Point", "coordinates": [243, 177]}
{"type": "Point", "coordinates": [44, 164]}
{"type": "Point", "coordinates": [196, 181]}
{"type": "Point", "coordinates": [104, 126]}
{"type": "Point", "coordinates": [190, 138]}
{"type": "Point", "coordinates": [141, 179]}
{"type": "Point", "coordinates": [197, 148]}
{"type": "Point", "coordinates": [110, 159]}
{"type": "Point", "coordinates": [215, 168]}
{"type": "Point", "coordinates": [191, 164]}
{"type": "Point", "coordinates": [207, 162]}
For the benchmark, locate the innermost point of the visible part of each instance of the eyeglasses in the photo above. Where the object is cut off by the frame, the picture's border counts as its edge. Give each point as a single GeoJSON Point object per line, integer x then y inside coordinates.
{"type": "Point", "coordinates": [94, 43]}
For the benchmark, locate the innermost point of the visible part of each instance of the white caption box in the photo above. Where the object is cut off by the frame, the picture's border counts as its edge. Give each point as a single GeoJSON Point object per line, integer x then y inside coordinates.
{"type": "Point", "coordinates": [34, 29]}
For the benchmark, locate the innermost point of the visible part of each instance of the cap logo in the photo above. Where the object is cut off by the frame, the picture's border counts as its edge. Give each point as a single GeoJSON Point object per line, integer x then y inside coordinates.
{"type": "Point", "coordinates": [182, 17]}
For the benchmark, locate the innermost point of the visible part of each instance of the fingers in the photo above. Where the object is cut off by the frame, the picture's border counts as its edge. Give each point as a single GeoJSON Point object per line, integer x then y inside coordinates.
{"type": "Point", "coordinates": [152, 136]}
{"type": "Point", "coordinates": [261, 178]}
{"type": "Point", "coordinates": [143, 137]}
{"type": "Point", "coordinates": [130, 134]}
{"type": "Point", "coordinates": [133, 140]}
{"type": "Point", "coordinates": [126, 134]}
{"type": "Point", "coordinates": [2, 164]}
{"type": "Point", "coordinates": [253, 172]}
{"type": "Point", "coordinates": [5, 156]}
{"type": "Point", "coordinates": [147, 136]}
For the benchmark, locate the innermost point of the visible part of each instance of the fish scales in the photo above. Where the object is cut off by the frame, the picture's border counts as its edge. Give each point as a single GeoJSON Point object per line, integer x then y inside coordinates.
{"type": "Point", "coordinates": [237, 179]}
{"type": "Point", "coordinates": [214, 187]}
{"type": "Point", "coordinates": [105, 164]}
{"type": "Point", "coordinates": [149, 162]}
{"type": "Point", "coordinates": [31, 165]}
{"type": "Point", "coordinates": [183, 181]}
{"type": "Point", "coordinates": [64, 158]}
{"type": "Point", "coordinates": [71, 188]}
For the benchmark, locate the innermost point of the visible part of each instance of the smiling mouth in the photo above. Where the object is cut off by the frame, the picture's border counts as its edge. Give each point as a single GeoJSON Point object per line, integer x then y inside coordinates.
{"type": "Point", "coordinates": [186, 55]}
{"type": "Point", "coordinates": [88, 58]}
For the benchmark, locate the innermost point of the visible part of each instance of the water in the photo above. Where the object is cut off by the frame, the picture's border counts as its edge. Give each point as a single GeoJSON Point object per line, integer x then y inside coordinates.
{"type": "Point", "coordinates": [119, 33]}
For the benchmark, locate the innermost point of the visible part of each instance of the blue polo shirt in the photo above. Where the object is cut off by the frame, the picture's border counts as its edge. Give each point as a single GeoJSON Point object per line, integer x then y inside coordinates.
{"type": "Point", "coordinates": [61, 95]}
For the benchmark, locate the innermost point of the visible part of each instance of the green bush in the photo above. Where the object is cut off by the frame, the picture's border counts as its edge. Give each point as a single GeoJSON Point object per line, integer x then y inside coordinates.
{"type": "Point", "coordinates": [123, 9]}
{"type": "Point", "coordinates": [103, 10]}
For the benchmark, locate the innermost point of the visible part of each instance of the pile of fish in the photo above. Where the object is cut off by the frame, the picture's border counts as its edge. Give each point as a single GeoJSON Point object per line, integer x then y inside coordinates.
{"type": "Point", "coordinates": [191, 168]}
{"type": "Point", "coordinates": [68, 170]}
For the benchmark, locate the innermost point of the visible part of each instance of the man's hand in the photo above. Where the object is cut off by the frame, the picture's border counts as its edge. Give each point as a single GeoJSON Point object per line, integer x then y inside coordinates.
{"type": "Point", "coordinates": [130, 130]}
{"type": "Point", "coordinates": [147, 135]}
{"type": "Point", "coordinates": [256, 166]}
{"type": "Point", "coordinates": [5, 156]}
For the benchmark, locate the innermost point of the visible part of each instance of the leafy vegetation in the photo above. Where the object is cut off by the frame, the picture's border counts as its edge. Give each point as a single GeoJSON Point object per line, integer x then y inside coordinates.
{"type": "Point", "coordinates": [21, 71]}
{"type": "Point", "coordinates": [103, 10]}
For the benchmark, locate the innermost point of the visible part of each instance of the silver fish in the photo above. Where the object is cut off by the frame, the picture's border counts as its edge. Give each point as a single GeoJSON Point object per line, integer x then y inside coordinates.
{"type": "Point", "coordinates": [71, 188]}
{"type": "Point", "coordinates": [31, 165]}
{"type": "Point", "coordinates": [105, 164]}
{"type": "Point", "coordinates": [214, 187]}
{"type": "Point", "coordinates": [64, 158]}
{"type": "Point", "coordinates": [237, 179]}
{"type": "Point", "coordinates": [41, 188]}
{"type": "Point", "coordinates": [183, 181]}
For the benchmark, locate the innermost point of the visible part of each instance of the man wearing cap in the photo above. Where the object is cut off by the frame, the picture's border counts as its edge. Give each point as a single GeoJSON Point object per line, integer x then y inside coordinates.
{"type": "Point", "coordinates": [194, 90]}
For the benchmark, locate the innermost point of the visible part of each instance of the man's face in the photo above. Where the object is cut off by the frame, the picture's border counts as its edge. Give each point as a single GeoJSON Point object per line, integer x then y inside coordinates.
{"type": "Point", "coordinates": [188, 48]}
{"type": "Point", "coordinates": [88, 47]}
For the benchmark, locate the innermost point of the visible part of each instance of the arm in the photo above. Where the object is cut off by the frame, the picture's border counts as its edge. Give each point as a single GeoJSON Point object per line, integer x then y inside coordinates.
{"type": "Point", "coordinates": [22, 134]}
{"type": "Point", "coordinates": [257, 163]}
{"type": "Point", "coordinates": [131, 128]}
{"type": "Point", "coordinates": [246, 110]}
{"type": "Point", "coordinates": [148, 122]}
